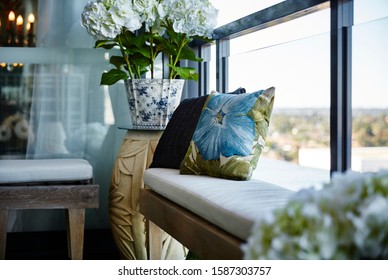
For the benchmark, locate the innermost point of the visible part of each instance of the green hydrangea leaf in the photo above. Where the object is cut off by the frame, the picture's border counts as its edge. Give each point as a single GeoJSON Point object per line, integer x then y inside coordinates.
{"type": "Point", "coordinates": [113, 76]}
{"type": "Point", "coordinates": [187, 73]}
{"type": "Point", "coordinates": [117, 61]}
{"type": "Point", "coordinates": [106, 44]}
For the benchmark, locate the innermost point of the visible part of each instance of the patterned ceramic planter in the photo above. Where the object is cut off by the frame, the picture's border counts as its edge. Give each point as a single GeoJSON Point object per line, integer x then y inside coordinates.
{"type": "Point", "coordinates": [153, 101]}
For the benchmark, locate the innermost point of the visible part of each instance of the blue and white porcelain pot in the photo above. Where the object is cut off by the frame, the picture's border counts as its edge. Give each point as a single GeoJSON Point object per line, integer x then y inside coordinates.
{"type": "Point", "coordinates": [153, 101]}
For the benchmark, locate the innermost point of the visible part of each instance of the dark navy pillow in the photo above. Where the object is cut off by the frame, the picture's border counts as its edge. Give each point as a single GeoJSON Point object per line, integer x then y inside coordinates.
{"type": "Point", "coordinates": [176, 138]}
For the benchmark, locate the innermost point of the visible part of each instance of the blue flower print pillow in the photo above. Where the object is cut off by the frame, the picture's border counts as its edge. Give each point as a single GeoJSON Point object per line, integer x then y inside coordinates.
{"type": "Point", "coordinates": [230, 135]}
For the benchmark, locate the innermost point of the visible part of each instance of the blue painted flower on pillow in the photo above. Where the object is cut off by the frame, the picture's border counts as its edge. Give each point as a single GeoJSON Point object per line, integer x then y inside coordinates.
{"type": "Point", "coordinates": [225, 128]}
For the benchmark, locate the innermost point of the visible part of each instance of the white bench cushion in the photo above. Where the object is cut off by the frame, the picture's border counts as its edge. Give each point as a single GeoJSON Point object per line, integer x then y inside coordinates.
{"type": "Point", "coordinates": [232, 205]}
{"type": "Point", "coordinates": [44, 170]}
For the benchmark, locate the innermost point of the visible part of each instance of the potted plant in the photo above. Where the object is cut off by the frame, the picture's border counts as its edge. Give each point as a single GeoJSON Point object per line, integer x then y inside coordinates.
{"type": "Point", "coordinates": [141, 30]}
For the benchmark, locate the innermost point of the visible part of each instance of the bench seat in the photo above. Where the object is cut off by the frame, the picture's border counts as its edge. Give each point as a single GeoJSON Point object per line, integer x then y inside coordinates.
{"type": "Point", "coordinates": [231, 206]}
{"type": "Point", "coordinates": [44, 170]}
{"type": "Point", "coordinates": [48, 184]}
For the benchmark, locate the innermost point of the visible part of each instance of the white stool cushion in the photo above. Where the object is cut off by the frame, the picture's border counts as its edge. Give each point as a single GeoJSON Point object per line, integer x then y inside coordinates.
{"type": "Point", "coordinates": [44, 170]}
{"type": "Point", "coordinates": [232, 205]}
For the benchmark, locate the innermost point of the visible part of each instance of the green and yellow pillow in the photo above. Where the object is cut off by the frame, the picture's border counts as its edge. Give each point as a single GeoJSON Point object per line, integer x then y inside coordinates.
{"type": "Point", "coordinates": [230, 135]}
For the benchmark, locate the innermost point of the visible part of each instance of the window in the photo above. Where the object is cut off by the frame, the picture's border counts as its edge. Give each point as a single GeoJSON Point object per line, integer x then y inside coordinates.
{"type": "Point", "coordinates": [370, 86]}
{"type": "Point", "coordinates": [294, 57]}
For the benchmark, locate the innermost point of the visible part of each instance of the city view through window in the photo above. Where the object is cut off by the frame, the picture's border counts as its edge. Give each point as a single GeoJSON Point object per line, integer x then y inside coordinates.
{"type": "Point", "coordinates": [295, 58]}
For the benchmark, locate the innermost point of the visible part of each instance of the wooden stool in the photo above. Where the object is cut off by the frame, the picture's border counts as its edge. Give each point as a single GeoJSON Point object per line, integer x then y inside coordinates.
{"type": "Point", "coordinates": [49, 184]}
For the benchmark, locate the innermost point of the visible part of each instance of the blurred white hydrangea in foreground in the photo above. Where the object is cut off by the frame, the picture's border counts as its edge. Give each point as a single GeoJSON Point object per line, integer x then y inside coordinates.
{"type": "Point", "coordinates": [346, 219]}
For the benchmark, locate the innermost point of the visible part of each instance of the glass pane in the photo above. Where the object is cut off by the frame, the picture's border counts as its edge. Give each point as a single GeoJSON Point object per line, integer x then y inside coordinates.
{"type": "Point", "coordinates": [369, 10]}
{"type": "Point", "coordinates": [303, 27]}
{"type": "Point", "coordinates": [43, 76]}
{"type": "Point", "coordinates": [299, 134]}
{"type": "Point", "coordinates": [228, 11]}
{"type": "Point", "coordinates": [370, 87]}
{"type": "Point", "coordinates": [52, 104]}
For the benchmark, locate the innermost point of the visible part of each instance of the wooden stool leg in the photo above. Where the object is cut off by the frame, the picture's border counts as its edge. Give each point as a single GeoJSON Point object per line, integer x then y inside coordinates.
{"type": "Point", "coordinates": [75, 233]}
{"type": "Point", "coordinates": [3, 231]}
{"type": "Point", "coordinates": [154, 241]}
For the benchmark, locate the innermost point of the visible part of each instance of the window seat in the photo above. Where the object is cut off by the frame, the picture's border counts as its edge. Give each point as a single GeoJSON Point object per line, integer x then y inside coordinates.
{"type": "Point", "coordinates": [212, 217]}
{"type": "Point", "coordinates": [289, 175]}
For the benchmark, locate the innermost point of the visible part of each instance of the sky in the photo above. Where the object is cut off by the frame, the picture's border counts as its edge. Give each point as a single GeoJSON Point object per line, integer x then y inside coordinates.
{"type": "Point", "coordinates": [295, 56]}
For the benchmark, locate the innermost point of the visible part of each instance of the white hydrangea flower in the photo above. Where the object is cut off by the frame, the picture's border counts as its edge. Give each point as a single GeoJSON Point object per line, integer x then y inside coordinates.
{"type": "Point", "coordinates": [152, 12]}
{"type": "Point", "coordinates": [347, 219]}
{"type": "Point", "coordinates": [93, 17]}
{"type": "Point", "coordinates": [105, 19]}
{"type": "Point", "coordinates": [123, 15]}
{"type": "Point", "coordinates": [311, 210]}
{"type": "Point", "coordinates": [194, 18]}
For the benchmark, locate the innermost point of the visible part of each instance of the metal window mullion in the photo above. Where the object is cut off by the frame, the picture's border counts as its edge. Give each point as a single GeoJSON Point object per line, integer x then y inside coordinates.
{"type": "Point", "coordinates": [341, 65]}
{"type": "Point", "coordinates": [222, 67]}
{"type": "Point", "coordinates": [204, 69]}
{"type": "Point", "coordinates": [271, 16]}
{"type": "Point", "coordinates": [166, 69]}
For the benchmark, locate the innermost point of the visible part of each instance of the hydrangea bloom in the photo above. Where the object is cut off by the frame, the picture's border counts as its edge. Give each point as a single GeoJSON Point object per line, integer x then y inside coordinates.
{"type": "Point", "coordinates": [194, 18]}
{"type": "Point", "coordinates": [152, 12]}
{"type": "Point", "coordinates": [104, 19]}
{"type": "Point", "coordinates": [94, 20]}
{"type": "Point", "coordinates": [346, 219]}
{"type": "Point", "coordinates": [142, 29]}
{"type": "Point", "coordinates": [123, 14]}
{"type": "Point", "coordinates": [225, 123]}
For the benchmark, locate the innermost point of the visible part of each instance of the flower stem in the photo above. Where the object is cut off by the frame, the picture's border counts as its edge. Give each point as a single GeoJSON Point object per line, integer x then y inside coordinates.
{"type": "Point", "coordinates": [152, 53]}
{"type": "Point", "coordinates": [125, 57]}
{"type": "Point", "coordinates": [182, 42]}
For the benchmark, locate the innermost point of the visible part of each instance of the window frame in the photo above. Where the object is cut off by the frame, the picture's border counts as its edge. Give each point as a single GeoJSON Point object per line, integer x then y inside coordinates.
{"type": "Point", "coordinates": [341, 23]}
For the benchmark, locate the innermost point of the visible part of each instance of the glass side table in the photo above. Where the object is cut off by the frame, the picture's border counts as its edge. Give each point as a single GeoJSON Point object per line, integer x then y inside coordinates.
{"type": "Point", "coordinates": [128, 225]}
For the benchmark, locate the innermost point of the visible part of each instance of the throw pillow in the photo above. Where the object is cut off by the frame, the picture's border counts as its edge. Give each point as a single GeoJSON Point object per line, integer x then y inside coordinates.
{"type": "Point", "coordinates": [230, 135]}
{"type": "Point", "coordinates": [175, 140]}
{"type": "Point", "coordinates": [177, 135]}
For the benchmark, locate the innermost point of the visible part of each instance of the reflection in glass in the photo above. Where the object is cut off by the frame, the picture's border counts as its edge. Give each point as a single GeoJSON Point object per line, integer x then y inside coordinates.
{"type": "Point", "coordinates": [18, 23]}
{"type": "Point", "coordinates": [52, 104]}
{"type": "Point", "coordinates": [15, 103]}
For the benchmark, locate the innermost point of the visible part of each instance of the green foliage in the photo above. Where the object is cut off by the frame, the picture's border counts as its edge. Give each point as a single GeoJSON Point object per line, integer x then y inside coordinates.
{"type": "Point", "coordinates": [186, 73]}
{"type": "Point", "coordinates": [370, 129]}
{"type": "Point", "coordinates": [292, 129]}
{"type": "Point", "coordinates": [113, 76]}
{"type": "Point", "coordinates": [139, 51]}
